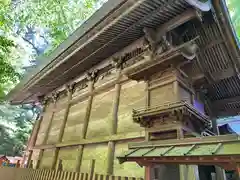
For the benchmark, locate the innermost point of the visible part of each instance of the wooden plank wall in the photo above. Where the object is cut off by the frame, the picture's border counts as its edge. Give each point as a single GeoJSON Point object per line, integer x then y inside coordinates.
{"type": "Point", "coordinates": [98, 118]}
{"type": "Point", "coordinates": [46, 174]}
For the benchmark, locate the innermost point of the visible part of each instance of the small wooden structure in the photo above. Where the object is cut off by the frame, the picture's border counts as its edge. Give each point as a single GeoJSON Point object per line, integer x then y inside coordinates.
{"type": "Point", "coordinates": [136, 70]}
{"type": "Point", "coordinates": [222, 151]}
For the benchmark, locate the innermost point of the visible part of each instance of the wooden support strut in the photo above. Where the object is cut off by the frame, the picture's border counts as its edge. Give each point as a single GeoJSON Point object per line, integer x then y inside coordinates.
{"type": "Point", "coordinates": [54, 97]}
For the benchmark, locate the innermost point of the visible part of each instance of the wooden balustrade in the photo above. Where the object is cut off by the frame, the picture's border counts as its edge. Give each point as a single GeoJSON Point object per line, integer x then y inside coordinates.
{"type": "Point", "coordinates": [7, 173]}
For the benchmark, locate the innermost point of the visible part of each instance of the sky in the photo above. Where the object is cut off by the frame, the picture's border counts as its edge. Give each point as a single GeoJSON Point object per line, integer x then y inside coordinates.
{"type": "Point", "coordinates": [233, 121]}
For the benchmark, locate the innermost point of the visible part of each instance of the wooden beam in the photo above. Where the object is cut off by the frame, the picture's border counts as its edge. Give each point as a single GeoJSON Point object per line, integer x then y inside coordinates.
{"type": "Point", "coordinates": [221, 102]}
{"type": "Point", "coordinates": [155, 35]}
{"type": "Point", "coordinates": [186, 141]}
{"type": "Point", "coordinates": [110, 157]}
{"type": "Point", "coordinates": [228, 112]}
{"type": "Point", "coordinates": [105, 139]}
{"type": "Point", "coordinates": [215, 76]}
{"type": "Point", "coordinates": [223, 74]}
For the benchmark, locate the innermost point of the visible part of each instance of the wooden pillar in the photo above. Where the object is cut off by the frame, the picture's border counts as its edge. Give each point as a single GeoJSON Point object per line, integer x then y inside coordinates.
{"type": "Point", "coordinates": [60, 166]}
{"type": "Point", "coordinates": [176, 90]}
{"type": "Point", "coordinates": [63, 125]}
{"type": "Point", "coordinates": [147, 173]}
{"type": "Point", "coordinates": [214, 125]}
{"type": "Point", "coordinates": [92, 169]}
{"type": "Point", "coordinates": [91, 77]}
{"type": "Point", "coordinates": [238, 172]}
{"type": "Point", "coordinates": [114, 121]}
{"type": "Point", "coordinates": [35, 131]}
{"type": "Point", "coordinates": [88, 111]}
{"type": "Point", "coordinates": [55, 156]}
{"type": "Point", "coordinates": [29, 158]}
{"type": "Point", "coordinates": [147, 94]}
{"type": "Point", "coordinates": [110, 157]}
{"type": "Point", "coordinates": [220, 173]}
{"type": "Point", "coordinates": [189, 172]}
{"type": "Point", "coordinates": [180, 133]}
{"type": "Point", "coordinates": [39, 158]}
{"type": "Point", "coordinates": [79, 158]}
{"type": "Point", "coordinates": [54, 97]}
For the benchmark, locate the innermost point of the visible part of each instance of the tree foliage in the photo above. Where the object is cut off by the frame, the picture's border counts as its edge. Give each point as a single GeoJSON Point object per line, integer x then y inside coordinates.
{"type": "Point", "coordinates": [28, 29]}
{"type": "Point", "coordinates": [7, 70]}
{"type": "Point", "coordinates": [234, 9]}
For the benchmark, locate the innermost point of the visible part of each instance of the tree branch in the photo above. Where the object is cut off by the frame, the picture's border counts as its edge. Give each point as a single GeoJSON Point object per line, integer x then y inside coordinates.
{"type": "Point", "coordinates": [33, 46]}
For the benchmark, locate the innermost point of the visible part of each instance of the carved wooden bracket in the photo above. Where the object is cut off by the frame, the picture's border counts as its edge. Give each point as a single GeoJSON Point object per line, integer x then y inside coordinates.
{"type": "Point", "coordinates": [117, 62]}
{"type": "Point", "coordinates": [42, 100]}
{"type": "Point", "coordinates": [92, 75]}
{"type": "Point", "coordinates": [158, 42]}
{"type": "Point", "coordinates": [70, 87]}
{"type": "Point", "coordinates": [55, 96]}
{"type": "Point", "coordinates": [143, 121]}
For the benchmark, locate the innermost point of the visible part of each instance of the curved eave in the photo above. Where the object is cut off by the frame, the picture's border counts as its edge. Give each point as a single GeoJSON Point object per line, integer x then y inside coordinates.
{"type": "Point", "coordinates": [104, 37]}
{"type": "Point", "coordinates": [47, 63]}
{"type": "Point", "coordinates": [112, 28]}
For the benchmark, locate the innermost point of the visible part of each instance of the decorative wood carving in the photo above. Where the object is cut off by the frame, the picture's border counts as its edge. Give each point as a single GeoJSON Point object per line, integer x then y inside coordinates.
{"type": "Point", "coordinates": [70, 87]}
{"type": "Point", "coordinates": [92, 75]}
{"type": "Point", "coordinates": [117, 62]}
{"type": "Point", "coordinates": [179, 111]}
{"type": "Point", "coordinates": [158, 42]}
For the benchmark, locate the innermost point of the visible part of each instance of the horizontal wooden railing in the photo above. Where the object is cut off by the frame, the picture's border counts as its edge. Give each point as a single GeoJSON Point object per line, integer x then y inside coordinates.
{"type": "Point", "coordinates": [7, 173]}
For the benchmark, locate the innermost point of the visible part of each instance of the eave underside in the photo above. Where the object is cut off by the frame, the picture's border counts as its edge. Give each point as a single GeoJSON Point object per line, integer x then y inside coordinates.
{"type": "Point", "coordinates": [126, 26]}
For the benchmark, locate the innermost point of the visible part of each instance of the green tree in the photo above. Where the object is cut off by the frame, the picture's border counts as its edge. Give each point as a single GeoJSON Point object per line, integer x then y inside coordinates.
{"type": "Point", "coordinates": [22, 24]}
{"type": "Point", "coordinates": [8, 74]}
{"type": "Point", "coordinates": [234, 9]}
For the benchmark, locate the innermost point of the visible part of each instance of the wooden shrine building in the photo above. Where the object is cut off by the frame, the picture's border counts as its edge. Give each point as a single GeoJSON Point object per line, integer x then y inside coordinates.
{"type": "Point", "coordinates": [153, 75]}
